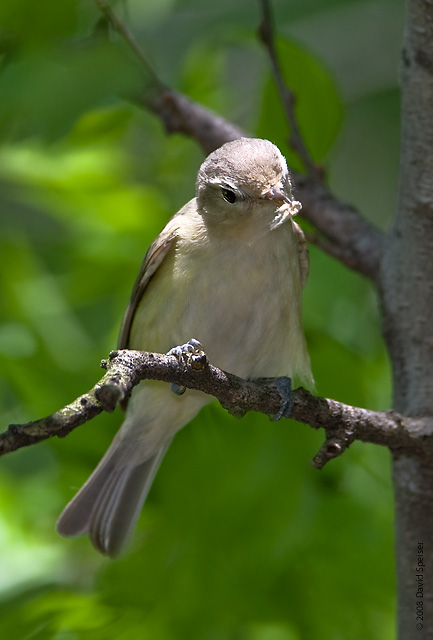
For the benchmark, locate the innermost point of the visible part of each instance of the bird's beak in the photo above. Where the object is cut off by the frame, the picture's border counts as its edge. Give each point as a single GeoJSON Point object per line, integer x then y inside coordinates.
{"type": "Point", "coordinates": [278, 196]}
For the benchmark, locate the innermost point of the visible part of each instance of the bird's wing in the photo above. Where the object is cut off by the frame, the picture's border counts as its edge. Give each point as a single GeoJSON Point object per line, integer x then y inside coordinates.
{"type": "Point", "coordinates": [154, 257]}
{"type": "Point", "coordinates": [304, 260]}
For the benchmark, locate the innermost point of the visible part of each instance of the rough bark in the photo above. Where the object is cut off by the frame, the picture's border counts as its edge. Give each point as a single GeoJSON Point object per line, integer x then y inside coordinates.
{"type": "Point", "coordinates": [126, 368]}
{"type": "Point", "coordinates": [407, 298]}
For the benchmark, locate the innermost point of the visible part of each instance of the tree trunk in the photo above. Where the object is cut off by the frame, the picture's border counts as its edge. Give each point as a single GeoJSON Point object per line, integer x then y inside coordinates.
{"type": "Point", "coordinates": [407, 298]}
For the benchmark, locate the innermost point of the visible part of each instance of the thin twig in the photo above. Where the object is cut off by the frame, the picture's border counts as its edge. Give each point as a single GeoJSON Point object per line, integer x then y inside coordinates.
{"type": "Point", "coordinates": [123, 30]}
{"type": "Point", "coordinates": [288, 98]}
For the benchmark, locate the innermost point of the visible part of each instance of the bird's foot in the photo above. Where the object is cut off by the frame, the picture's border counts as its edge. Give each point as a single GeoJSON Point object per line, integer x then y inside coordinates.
{"type": "Point", "coordinates": [284, 386]}
{"type": "Point", "coordinates": [192, 355]}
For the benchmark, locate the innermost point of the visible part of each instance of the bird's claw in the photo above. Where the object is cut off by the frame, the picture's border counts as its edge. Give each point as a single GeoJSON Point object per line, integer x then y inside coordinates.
{"type": "Point", "coordinates": [193, 355]}
{"type": "Point", "coordinates": [182, 350]}
{"type": "Point", "coordinates": [178, 389]}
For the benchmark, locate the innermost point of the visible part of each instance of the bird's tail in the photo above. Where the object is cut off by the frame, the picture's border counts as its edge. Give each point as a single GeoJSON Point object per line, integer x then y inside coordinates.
{"type": "Point", "coordinates": [108, 505]}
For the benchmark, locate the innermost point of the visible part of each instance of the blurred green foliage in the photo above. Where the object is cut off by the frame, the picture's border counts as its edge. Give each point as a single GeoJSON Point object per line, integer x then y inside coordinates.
{"type": "Point", "coordinates": [240, 537]}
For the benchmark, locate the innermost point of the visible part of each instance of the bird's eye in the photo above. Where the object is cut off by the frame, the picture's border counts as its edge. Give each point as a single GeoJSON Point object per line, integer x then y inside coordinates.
{"type": "Point", "coordinates": [228, 195]}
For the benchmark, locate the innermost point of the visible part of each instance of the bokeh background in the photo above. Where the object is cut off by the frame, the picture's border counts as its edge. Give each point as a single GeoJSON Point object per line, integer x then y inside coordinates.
{"type": "Point", "coordinates": [240, 538]}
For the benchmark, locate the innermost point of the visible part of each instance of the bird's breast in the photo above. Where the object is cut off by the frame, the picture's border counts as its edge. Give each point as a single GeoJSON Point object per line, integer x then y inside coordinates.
{"type": "Point", "coordinates": [242, 301]}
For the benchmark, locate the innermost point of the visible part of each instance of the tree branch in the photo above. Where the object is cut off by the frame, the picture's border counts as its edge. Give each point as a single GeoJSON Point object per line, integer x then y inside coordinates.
{"type": "Point", "coordinates": [348, 236]}
{"type": "Point", "coordinates": [179, 114]}
{"type": "Point", "coordinates": [125, 369]}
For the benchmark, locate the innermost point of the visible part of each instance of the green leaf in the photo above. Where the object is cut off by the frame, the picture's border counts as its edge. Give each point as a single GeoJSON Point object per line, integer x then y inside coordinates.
{"type": "Point", "coordinates": [46, 94]}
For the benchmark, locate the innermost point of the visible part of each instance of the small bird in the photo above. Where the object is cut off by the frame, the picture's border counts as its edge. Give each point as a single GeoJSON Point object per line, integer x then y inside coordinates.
{"type": "Point", "coordinates": [227, 270]}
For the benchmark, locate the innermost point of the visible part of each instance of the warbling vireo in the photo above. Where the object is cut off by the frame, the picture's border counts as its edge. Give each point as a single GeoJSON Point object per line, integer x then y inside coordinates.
{"type": "Point", "coordinates": [227, 270]}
